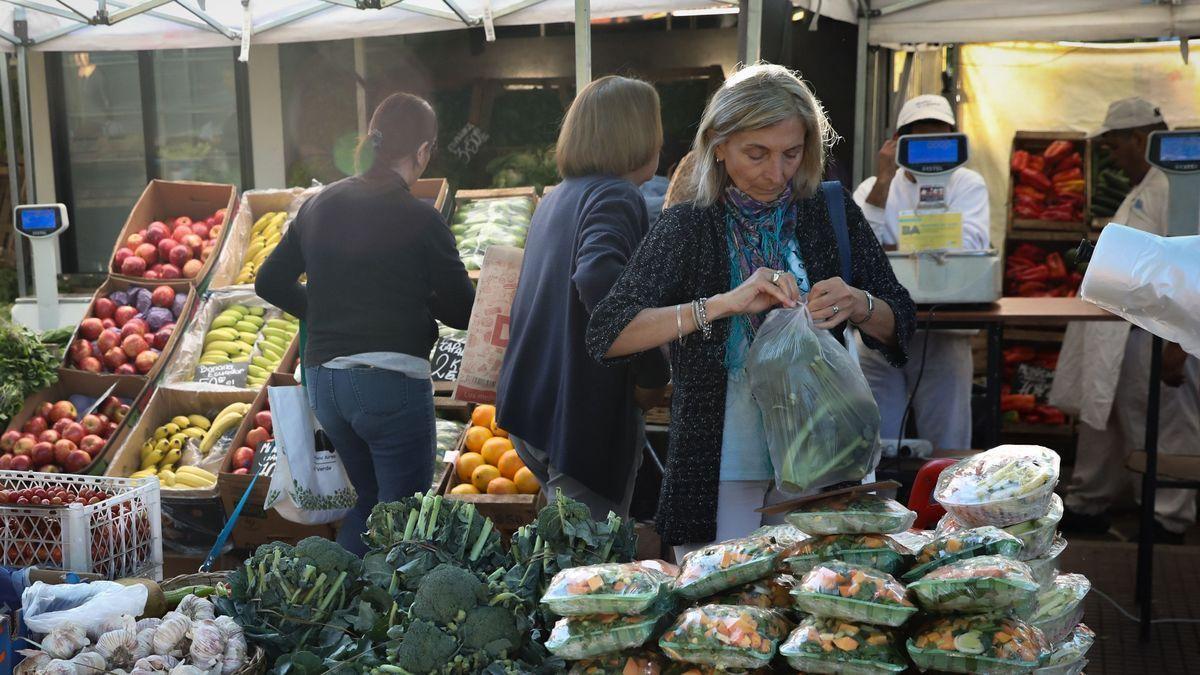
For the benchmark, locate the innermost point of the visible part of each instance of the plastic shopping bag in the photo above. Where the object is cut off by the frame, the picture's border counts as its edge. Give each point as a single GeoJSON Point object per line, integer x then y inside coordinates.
{"type": "Point", "coordinates": [821, 419]}
{"type": "Point", "coordinates": [47, 606]}
{"type": "Point", "coordinates": [309, 484]}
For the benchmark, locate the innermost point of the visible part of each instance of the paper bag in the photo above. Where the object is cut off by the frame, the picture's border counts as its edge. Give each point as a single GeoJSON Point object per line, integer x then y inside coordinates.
{"type": "Point", "coordinates": [488, 331]}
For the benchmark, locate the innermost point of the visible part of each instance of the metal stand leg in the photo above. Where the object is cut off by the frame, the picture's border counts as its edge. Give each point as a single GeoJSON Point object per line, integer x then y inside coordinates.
{"type": "Point", "coordinates": [994, 375]}
{"type": "Point", "coordinates": [1145, 562]}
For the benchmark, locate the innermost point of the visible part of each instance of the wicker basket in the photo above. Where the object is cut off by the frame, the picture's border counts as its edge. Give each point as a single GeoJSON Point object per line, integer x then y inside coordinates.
{"type": "Point", "coordinates": [256, 663]}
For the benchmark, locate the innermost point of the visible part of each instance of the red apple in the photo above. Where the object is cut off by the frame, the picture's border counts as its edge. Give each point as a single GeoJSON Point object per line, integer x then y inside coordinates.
{"type": "Point", "coordinates": [42, 453]}
{"type": "Point", "coordinates": [90, 328]}
{"type": "Point", "coordinates": [79, 350]}
{"type": "Point", "coordinates": [74, 433]}
{"type": "Point", "coordinates": [124, 314]}
{"type": "Point", "coordinates": [179, 255]}
{"type": "Point", "coordinates": [120, 256]}
{"type": "Point", "coordinates": [61, 450]}
{"type": "Point", "coordinates": [9, 440]}
{"type": "Point", "coordinates": [162, 337]}
{"type": "Point", "coordinates": [133, 327]}
{"type": "Point", "coordinates": [147, 252]}
{"type": "Point", "coordinates": [257, 436]}
{"type": "Point", "coordinates": [49, 436]}
{"type": "Point", "coordinates": [135, 240]}
{"type": "Point", "coordinates": [192, 268]}
{"type": "Point", "coordinates": [62, 410]}
{"type": "Point", "coordinates": [115, 358]}
{"type": "Point", "coordinates": [206, 253]}
{"type": "Point", "coordinates": [163, 296]}
{"type": "Point", "coordinates": [181, 231]}
{"type": "Point", "coordinates": [152, 275]}
{"type": "Point", "coordinates": [183, 221]}
{"type": "Point", "coordinates": [125, 369]}
{"type": "Point", "coordinates": [95, 350]}
{"type": "Point", "coordinates": [24, 445]}
{"type": "Point", "coordinates": [156, 268]}
{"type": "Point", "coordinates": [214, 232]}
{"type": "Point", "coordinates": [145, 361]}
{"type": "Point", "coordinates": [108, 339]}
{"type": "Point", "coordinates": [21, 463]}
{"type": "Point", "coordinates": [104, 308]}
{"type": "Point", "coordinates": [44, 409]}
{"type": "Point", "coordinates": [76, 461]}
{"type": "Point", "coordinates": [134, 345]}
{"type": "Point", "coordinates": [110, 406]}
{"type": "Point", "coordinates": [243, 458]}
{"type": "Point", "coordinates": [169, 272]}
{"type": "Point", "coordinates": [194, 242]}
{"type": "Point", "coordinates": [35, 425]}
{"type": "Point", "coordinates": [165, 246]}
{"type": "Point", "coordinates": [201, 230]}
{"type": "Point", "coordinates": [120, 414]}
{"type": "Point", "coordinates": [160, 230]}
{"type": "Point", "coordinates": [219, 215]}
{"type": "Point", "coordinates": [61, 425]}
{"type": "Point", "coordinates": [110, 428]}
{"type": "Point", "coordinates": [242, 471]}
{"type": "Point", "coordinates": [92, 365]}
{"type": "Point", "coordinates": [133, 266]}
{"type": "Point", "coordinates": [263, 419]}
{"type": "Point", "coordinates": [6, 462]}
{"type": "Point", "coordinates": [92, 423]}
{"type": "Point", "coordinates": [108, 323]}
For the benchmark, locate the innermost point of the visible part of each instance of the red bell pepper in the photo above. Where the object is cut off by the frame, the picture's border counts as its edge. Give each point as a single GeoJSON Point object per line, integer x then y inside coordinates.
{"type": "Point", "coordinates": [1019, 354]}
{"type": "Point", "coordinates": [1057, 150]}
{"type": "Point", "coordinates": [1029, 252]}
{"type": "Point", "coordinates": [1075, 279]}
{"type": "Point", "coordinates": [1018, 402]}
{"type": "Point", "coordinates": [1059, 292]}
{"type": "Point", "coordinates": [1037, 163]}
{"type": "Point", "coordinates": [1059, 214]}
{"type": "Point", "coordinates": [1072, 174]}
{"type": "Point", "coordinates": [1028, 211]}
{"type": "Point", "coordinates": [1035, 273]}
{"type": "Point", "coordinates": [1070, 161]}
{"type": "Point", "coordinates": [1050, 414]}
{"type": "Point", "coordinates": [1029, 192]}
{"type": "Point", "coordinates": [1058, 268]}
{"type": "Point", "coordinates": [1032, 289]}
{"type": "Point", "coordinates": [1020, 160]}
{"type": "Point", "coordinates": [1036, 179]}
{"type": "Point", "coordinates": [1017, 264]}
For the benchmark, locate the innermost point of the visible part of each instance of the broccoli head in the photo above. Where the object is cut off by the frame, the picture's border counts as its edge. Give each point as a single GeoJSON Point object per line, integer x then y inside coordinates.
{"type": "Point", "coordinates": [268, 550]}
{"type": "Point", "coordinates": [328, 556]}
{"type": "Point", "coordinates": [424, 648]}
{"type": "Point", "coordinates": [491, 629]}
{"type": "Point", "coordinates": [447, 594]}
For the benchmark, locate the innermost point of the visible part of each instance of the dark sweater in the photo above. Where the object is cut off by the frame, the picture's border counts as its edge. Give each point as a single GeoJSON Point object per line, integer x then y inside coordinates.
{"type": "Point", "coordinates": [551, 393]}
{"type": "Point", "coordinates": [381, 266]}
{"type": "Point", "coordinates": [684, 257]}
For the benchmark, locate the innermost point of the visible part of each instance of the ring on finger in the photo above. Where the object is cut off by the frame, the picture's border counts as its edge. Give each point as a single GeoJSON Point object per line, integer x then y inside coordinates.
{"type": "Point", "coordinates": [775, 277]}
{"type": "Point", "coordinates": [836, 309]}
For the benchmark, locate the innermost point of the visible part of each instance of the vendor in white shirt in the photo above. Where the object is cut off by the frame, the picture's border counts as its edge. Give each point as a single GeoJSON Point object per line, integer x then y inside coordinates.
{"type": "Point", "coordinates": [942, 407]}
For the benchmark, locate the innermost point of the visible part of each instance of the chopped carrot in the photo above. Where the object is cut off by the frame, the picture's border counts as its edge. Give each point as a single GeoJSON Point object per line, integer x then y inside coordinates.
{"type": "Point", "coordinates": [848, 629]}
{"type": "Point", "coordinates": [946, 644]}
{"type": "Point", "coordinates": [1001, 637]}
{"type": "Point", "coordinates": [954, 545]}
{"type": "Point", "coordinates": [595, 582]}
{"type": "Point", "coordinates": [846, 644]}
{"type": "Point", "coordinates": [880, 640]}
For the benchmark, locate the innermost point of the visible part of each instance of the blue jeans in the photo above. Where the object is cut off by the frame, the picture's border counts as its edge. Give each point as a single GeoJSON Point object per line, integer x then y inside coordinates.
{"type": "Point", "coordinates": [382, 424]}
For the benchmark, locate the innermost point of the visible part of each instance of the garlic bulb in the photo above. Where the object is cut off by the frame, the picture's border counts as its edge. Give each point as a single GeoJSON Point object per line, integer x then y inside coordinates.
{"type": "Point", "coordinates": [122, 622]}
{"type": "Point", "coordinates": [90, 663]}
{"type": "Point", "coordinates": [118, 647]}
{"type": "Point", "coordinates": [34, 662]}
{"type": "Point", "coordinates": [186, 669]}
{"type": "Point", "coordinates": [196, 608]}
{"type": "Point", "coordinates": [229, 627]}
{"type": "Point", "coordinates": [235, 653]}
{"type": "Point", "coordinates": [148, 623]}
{"type": "Point", "coordinates": [145, 643]}
{"type": "Point", "coordinates": [65, 641]}
{"type": "Point", "coordinates": [173, 630]}
{"type": "Point", "coordinates": [208, 646]}
{"type": "Point", "coordinates": [58, 667]}
{"type": "Point", "coordinates": [156, 663]}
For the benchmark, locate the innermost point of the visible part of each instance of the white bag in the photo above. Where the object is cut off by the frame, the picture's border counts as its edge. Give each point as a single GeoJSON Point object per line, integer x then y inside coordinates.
{"type": "Point", "coordinates": [48, 606]}
{"type": "Point", "coordinates": [309, 484]}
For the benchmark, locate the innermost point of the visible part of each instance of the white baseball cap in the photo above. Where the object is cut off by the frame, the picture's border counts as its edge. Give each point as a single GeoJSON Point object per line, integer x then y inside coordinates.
{"type": "Point", "coordinates": [926, 107]}
{"type": "Point", "coordinates": [1130, 113]}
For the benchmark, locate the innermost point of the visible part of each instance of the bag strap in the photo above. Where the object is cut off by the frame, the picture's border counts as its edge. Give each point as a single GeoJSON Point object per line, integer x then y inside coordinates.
{"type": "Point", "coordinates": [837, 215]}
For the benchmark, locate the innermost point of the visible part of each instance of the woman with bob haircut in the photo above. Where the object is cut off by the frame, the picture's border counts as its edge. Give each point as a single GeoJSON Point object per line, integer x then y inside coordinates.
{"type": "Point", "coordinates": [574, 422]}
{"type": "Point", "coordinates": [758, 234]}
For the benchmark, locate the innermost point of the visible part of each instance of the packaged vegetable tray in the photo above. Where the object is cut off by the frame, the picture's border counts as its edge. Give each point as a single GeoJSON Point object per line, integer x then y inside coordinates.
{"type": "Point", "coordinates": [676, 668]}
{"type": "Point", "coordinates": [635, 662]}
{"type": "Point", "coordinates": [878, 551]}
{"type": "Point", "coordinates": [613, 588]}
{"type": "Point", "coordinates": [1004, 486]}
{"type": "Point", "coordinates": [725, 636]}
{"type": "Point", "coordinates": [583, 637]}
{"type": "Point", "coordinates": [961, 545]}
{"type": "Point", "coordinates": [985, 584]}
{"type": "Point", "coordinates": [1068, 656]}
{"type": "Point", "coordinates": [1060, 607]}
{"type": "Point", "coordinates": [1046, 568]}
{"type": "Point", "coordinates": [836, 646]}
{"type": "Point", "coordinates": [854, 593]}
{"type": "Point", "coordinates": [1037, 535]}
{"type": "Point", "coordinates": [720, 567]}
{"type": "Point", "coordinates": [987, 645]}
{"type": "Point", "coordinates": [770, 593]}
{"type": "Point", "coordinates": [856, 513]}
{"type": "Point", "coordinates": [786, 536]}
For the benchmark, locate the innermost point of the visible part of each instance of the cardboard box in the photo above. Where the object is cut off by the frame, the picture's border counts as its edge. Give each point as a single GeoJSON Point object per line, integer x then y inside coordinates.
{"type": "Point", "coordinates": [121, 284]}
{"type": "Point", "coordinates": [434, 191]}
{"type": "Point", "coordinates": [253, 205]}
{"type": "Point", "coordinates": [73, 382]}
{"type": "Point", "coordinates": [1035, 142]}
{"type": "Point", "coordinates": [508, 512]}
{"type": "Point", "coordinates": [166, 199]}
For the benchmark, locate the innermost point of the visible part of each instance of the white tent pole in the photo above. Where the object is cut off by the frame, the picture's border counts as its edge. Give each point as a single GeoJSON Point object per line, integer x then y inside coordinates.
{"type": "Point", "coordinates": [583, 44]}
{"type": "Point", "coordinates": [160, 15]}
{"type": "Point", "coordinates": [860, 92]}
{"type": "Point", "coordinates": [26, 128]}
{"type": "Point", "coordinates": [9, 37]}
{"type": "Point", "coordinates": [360, 91]}
{"type": "Point", "coordinates": [458, 11]}
{"type": "Point", "coordinates": [515, 7]}
{"type": "Point", "coordinates": [753, 17]}
{"type": "Point", "coordinates": [72, 16]}
{"type": "Point", "coordinates": [294, 16]}
{"type": "Point", "coordinates": [207, 18]}
{"type": "Point", "coordinates": [117, 17]}
{"type": "Point", "coordinates": [10, 146]}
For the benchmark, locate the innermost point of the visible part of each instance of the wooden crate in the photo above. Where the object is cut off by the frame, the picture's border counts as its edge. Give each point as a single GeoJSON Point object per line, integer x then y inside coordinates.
{"type": "Point", "coordinates": [1036, 142]}
{"type": "Point", "coordinates": [435, 191]}
{"type": "Point", "coordinates": [508, 512]}
{"type": "Point", "coordinates": [491, 193]}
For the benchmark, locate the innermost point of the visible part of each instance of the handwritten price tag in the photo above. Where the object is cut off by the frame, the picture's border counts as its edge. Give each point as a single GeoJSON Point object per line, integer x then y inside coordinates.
{"type": "Point", "coordinates": [447, 358]}
{"type": "Point", "coordinates": [224, 374]}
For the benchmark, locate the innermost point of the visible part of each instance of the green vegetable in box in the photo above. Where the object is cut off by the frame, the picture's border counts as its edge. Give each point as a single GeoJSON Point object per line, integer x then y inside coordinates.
{"type": "Point", "coordinates": [785, 536]}
{"type": "Point", "coordinates": [583, 637]}
{"type": "Point", "coordinates": [480, 224]}
{"type": "Point", "coordinates": [1056, 610]}
{"type": "Point", "coordinates": [988, 645]}
{"type": "Point", "coordinates": [873, 550]}
{"type": "Point", "coordinates": [839, 590]}
{"type": "Point", "coordinates": [635, 662]}
{"type": "Point", "coordinates": [770, 593]}
{"type": "Point", "coordinates": [720, 567]}
{"type": "Point", "coordinates": [1003, 486]}
{"type": "Point", "coordinates": [1036, 535]}
{"type": "Point", "coordinates": [1069, 656]}
{"type": "Point", "coordinates": [856, 513]}
{"type": "Point", "coordinates": [610, 588]}
{"type": "Point", "coordinates": [984, 584]}
{"type": "Point", "coordinates": [835, 646]}
{"type": "Point", "coordinates": [1045, 568]}
{"type": "Point", "coordinates": [963, 544]}
{"type": "Point", "coordinates": [725, 636]}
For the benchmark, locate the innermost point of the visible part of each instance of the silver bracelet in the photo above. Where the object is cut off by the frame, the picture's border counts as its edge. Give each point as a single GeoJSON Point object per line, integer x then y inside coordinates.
{"type": "Point", "coordinates": [696, 316]}
{"type": "Point", "coordinates": [679, 321]}
{"type": "Point", "coordinates": [870, 309]}
{"type": "Point", "coordinates": [702, 314]}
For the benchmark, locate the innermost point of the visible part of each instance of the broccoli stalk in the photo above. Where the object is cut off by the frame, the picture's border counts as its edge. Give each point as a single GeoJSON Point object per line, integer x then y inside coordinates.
{"type": "Point", "coordinates": [484, 532]}
{"type": "Point", "coordinates": [337, 586]}
{"type": "Point", "coordinates": [315, 589]}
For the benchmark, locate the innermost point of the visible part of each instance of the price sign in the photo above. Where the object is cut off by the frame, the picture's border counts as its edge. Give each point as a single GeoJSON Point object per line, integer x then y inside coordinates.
{"type": "Point", "coordinates": [1031, 379]}
{"type": "Point", "coordinates": [264, 458]}
{"type": "Point", "coordinates": [447, 357]}
{"type": "Point", "coordinates": [467, 142]}
{"type": "Point", "coordinates": [928, 231]}
{"type": "Point", "coordinates": [224, 374]}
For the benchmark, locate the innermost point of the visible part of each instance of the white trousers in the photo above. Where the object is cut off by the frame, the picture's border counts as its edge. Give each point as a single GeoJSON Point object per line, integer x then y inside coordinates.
{"type": "Point", "coordinates": [942, 407]}
{"type": "Point", "coordinates": [1100, 475]}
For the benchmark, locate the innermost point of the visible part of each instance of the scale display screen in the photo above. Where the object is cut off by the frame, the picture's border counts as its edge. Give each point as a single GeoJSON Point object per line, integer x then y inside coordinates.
{"type": "Point", "coordinates": [932, 153]}
{"type": "Point", "coordinates": [938, 151]}
{"type": "Point", "coordinates": [1175, 151]}
{"type": "Point", "coordinates": [40, 220]}
{"type": "Point", "coordinates": [1181, 148]}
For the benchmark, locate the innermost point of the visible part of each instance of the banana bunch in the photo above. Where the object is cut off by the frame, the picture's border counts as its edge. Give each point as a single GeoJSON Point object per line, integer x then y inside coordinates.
{"type": "Point", "coordinates": [232, 334]}
{"type": "Point", "coordinates": [161, 453]}
{"type": "Point", "coordinates": [264, 237]}
{"type": "Point", "coordinates": [277, 334]}
{"type": "Point", "coordinates": [227, 419]}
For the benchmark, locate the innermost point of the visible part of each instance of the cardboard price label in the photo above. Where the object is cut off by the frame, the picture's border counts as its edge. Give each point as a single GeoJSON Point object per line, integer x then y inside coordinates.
{"type": "Point", "coordinates": [447, 358]}
{"type": "Point", "coordinates": [224, 374]}
{"type": "Point", "coordinates": [930, 231]}
{"type": "Point", "coordinates": [1031, 379]}
{"type": "Point", "coordinates": [265, 457]}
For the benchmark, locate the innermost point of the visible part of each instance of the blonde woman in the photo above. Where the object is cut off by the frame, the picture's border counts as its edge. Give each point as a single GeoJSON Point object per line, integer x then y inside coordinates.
{"type": "Point", "coordinates": [574, 422]}
{"type": "Point", "coordinates": [761, 232]}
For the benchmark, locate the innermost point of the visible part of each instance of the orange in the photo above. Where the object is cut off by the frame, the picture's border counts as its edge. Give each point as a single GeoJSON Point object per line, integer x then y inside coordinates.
{"type": "Point", "coordinates": [502, 486]}
{"type": "Point", "coordinates": [464, 489]}
{"type": "Point", "coordinates": [482, 475]}
{"type": "Point", "coordinates": [476, 437]}
{"type": "Point", "coordinates": [467, 463]}
{"type": "Point", "coordinates": [509, 464]}
{"type": "Point", "coordinates": [526, 483]}
{"type": "Point", "coordinates": [484, 416]}
{"type": "Point", "coordinates": [494, 449]}
{"type": "Point", "coordinates": [497, 431]}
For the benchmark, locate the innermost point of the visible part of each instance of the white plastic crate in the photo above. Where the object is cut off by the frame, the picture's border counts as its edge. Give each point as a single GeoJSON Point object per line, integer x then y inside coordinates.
{"type": "Point", "coordinates": [120, 536]}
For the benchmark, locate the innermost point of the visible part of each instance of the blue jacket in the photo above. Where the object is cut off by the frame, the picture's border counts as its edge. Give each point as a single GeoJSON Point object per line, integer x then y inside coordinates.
{"type": "Point", "coordinates": [551, 393]}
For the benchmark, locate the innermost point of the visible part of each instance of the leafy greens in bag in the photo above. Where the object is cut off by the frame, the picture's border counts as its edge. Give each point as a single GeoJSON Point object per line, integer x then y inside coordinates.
{"type": "Point", "coordinates": [988, 645]}
{"type": "Point", "coordinates": [821, 420]}
{"type": "Point", "coordinates": [985, 584]}
{"type": "Point", "coordinates": [611, 588]}
{"type": "Point", "coordinates": [720, 567]}
{"type": "Point", "coordinates": [836, 646]}
{"type": "Point", "coordinates": [770, 593]}
{"type": "Point", "coordinates": [961, 545]}
{"type": "Point", "coordinates": [725, 636]}
{"type": "Point", "coordinates": [582, 637]}
{"type": "Point", "coordinates": [853, 593]}
{"type": "Point", "coordinates": [873, 550]}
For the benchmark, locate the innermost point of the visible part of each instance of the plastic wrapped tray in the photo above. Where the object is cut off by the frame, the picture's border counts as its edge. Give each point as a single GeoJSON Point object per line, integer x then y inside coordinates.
{"type": "Point", "coordinates": [1060, 607]}
{"type": "Point", "coordinates": [1037, 535]}
{"type": "Point", "coordinates": [836, 646]}
{"type": "Point", "coordinates": [583, 637]}
{"type": "Point", "coordinates": [770, 593]}
{"type": "Point", "coordinates": [1046, 568]}
{"type": "Point", "coordinates": [984, 584]}
{"type": "Point", "coordinates": [1004, 486]}
{"type": "Point", "coordinates": [1068, 656]}
{"type": "Point", "coordinates": [878, 551]}
{"type": "Point", "coordinates": [635, 662]}
{"type": "Point", "coordinates": [854, 593]}
{"type": "Point", "coordinates": [785, 535]}
{"type": "Point", "coordinates": [962, 545]}
{"type": "Point", "coordinates": [855, 513]}
{"type": "Point", "coordinates": [612, 588]}
{"type": "Point", "coordinates": [725, 636]}
{"type": "Point", "coordinates": [720, 567]}
{"type": "Point", "coordinates": [970, 644]}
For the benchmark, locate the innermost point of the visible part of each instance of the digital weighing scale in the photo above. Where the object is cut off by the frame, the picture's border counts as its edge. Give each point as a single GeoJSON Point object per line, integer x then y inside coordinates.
{"type": "Point", "coordinates": [939, 275]}
{"type": "Point", "coordinates": [1177, 154]}
{"type": "Point", "coordinates": [42, 224]}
